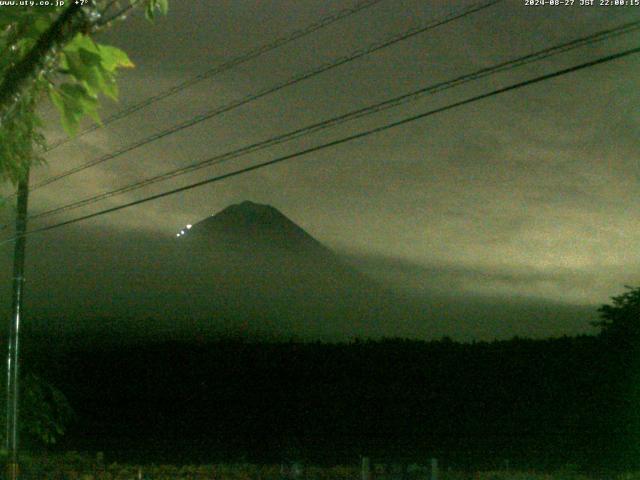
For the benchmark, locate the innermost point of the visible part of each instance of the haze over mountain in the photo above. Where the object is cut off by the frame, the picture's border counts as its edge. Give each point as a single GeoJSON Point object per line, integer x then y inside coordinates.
{"type": "Point", "coordinates": [250, 227]}
{"type": "Point", "coordinates": [246, 270]}
{"type": "Point", "coordinates": [264, 274]}
{"type": "Point", "coordinates": [250, 270]}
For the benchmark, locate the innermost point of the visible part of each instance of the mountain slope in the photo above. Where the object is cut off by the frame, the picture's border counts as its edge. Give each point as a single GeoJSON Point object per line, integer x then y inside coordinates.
{"type": "Point", "coordinates": [250, 267]}
{"type": "Point", "coordinates": [250, 225]}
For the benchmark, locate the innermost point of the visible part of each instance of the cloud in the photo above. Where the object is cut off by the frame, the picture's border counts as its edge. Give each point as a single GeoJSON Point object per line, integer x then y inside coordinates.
{"type": "Point", "coordinates": [530, 193]}
{"type": "Point", "coordinates": [581, 287]}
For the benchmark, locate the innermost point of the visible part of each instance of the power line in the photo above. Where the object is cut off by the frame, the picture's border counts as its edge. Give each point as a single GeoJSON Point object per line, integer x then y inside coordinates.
{"type": "Point", "coordinates": [369, 110]}
{"type": "Point", "coordinates": [340, 141]}
{"type": "Point", "coordinates": [234, 62]}
{"type": "Point", "coordinates": [287, 83]}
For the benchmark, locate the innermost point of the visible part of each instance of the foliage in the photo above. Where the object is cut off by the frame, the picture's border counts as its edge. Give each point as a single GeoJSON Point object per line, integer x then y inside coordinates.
{"type": "Point", "coordinates": [44, 411]}
{"type": "Point", "coordinates": [74, 73]}
{"type": "Point", "coordinates": [77, 466]}
{"type": "Point", "coordinates": [161, 5]}
{"type": "Point", "coordinates": [17, 140]}
{"type": "Point", "coordinates": [74, 465]}
{"type": "Point", "coordinates": [622, 318]}
{"type": "Point", "coordinates": [88, 69]}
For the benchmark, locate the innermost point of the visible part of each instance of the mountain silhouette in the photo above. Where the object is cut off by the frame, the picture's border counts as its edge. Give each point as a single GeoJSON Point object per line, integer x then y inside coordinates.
{"type": "Point", "coordinates": [251, 270]}
{"type": "Point", "coordinates": [247, 270]}
{"type": "Point", "coordinates": [249, 225]}
{"type": "Point", "coordinates": [251, 267]}
{"type": "Point", "coordinates": [254, 240]}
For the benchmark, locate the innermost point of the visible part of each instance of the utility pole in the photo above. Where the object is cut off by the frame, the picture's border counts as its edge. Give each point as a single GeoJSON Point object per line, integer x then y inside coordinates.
{"type": "Point", "coordinates": [11, 434]}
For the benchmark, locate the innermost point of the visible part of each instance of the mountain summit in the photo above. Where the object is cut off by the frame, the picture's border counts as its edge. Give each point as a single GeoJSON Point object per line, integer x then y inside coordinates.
{"type": "Point", "coordinates": [251, 265]}
{"type": "Point", "coordinates": [252, 226]}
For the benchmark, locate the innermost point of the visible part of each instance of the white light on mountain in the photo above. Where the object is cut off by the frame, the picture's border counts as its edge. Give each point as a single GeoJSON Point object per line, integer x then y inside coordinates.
{"type": "Point", "coordinates": [177, 234]}
{"type": "Point", "coordinates": [181, 232]}
{"type": "Point", "coordinates": [189, 226]}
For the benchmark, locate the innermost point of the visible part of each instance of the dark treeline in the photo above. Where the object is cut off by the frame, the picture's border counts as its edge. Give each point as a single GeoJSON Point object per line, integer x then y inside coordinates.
{"type": "Point", "coordinates": [538, 403]}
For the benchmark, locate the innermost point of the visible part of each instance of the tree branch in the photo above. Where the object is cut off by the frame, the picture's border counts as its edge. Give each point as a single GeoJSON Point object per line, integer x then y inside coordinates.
{"type": "Point", "coordinates": [121, 14]}
{"type": "Point", "coordinates": [18, 78]}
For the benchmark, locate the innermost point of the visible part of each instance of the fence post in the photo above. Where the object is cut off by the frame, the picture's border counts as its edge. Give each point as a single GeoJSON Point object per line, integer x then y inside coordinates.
{"type": "Point", "coordinates": [434, 469]}
{"type": "Point", "coordinates": [366, 468]}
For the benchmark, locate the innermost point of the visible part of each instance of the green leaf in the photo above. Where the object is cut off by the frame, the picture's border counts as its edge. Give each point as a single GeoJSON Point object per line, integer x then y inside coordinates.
{"type": "Point", "coordinates": [93, 68]}
{"type": "Point", "coordinates": [25, 45]}
{"type": "Point", "coordinates": [89, 58]}
{"type": "Point", "coordinates": [70, 117]}
{"type": "Point", "coordinates": [163, 6]}
{"type": "Point", "coordinates": [152, 5]}
{"type": "Point", "coordinates": [81, 101]}
{"type": "Point", "coordinates": [83, 72]}
{"type": "Point", "coordinates": [150, 11]}
{"type": "Point", "coordinates": [41, 24]}
{"type": "Point", "coordinates": [113, 58]}
{"type": "Point", "coordinates": [82, 41]}
{"type": "Point", "coordinates": [91, 109]}
{"type": "Point", "coordinates": [110, 87]}
{"type": "Point", "coordinates": [92, 71]}
{"type": "Point", "coordinates": [56, 99]}
{"type": "Point", "coordinates": [74, 101]}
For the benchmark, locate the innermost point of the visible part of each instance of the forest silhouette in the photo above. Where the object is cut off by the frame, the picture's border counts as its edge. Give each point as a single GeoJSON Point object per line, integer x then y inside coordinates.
{"type": "Point", "coordinates": [538, 403]}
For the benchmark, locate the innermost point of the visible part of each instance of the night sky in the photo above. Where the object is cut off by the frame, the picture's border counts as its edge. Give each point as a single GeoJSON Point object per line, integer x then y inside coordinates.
{"type": "Point", "coordinates": [523, 203]}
